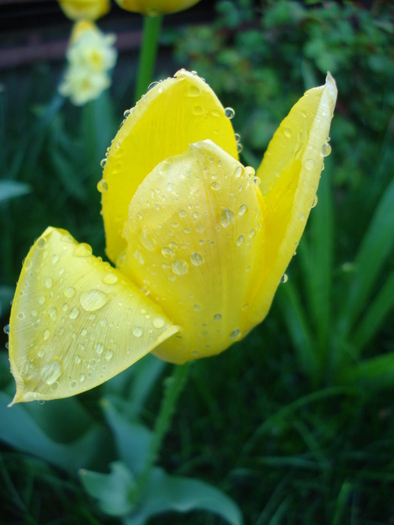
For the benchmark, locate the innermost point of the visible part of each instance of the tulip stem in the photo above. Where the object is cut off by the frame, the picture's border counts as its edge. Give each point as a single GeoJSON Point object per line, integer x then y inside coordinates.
{"type": "Point", "coordinates": [148, 53]}
{"type": "Point", "coordinates": [173, 387]}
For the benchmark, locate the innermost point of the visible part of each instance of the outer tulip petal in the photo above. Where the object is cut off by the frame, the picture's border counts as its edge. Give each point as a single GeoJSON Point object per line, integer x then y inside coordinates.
{"type": "Point", "coordinates": [172, 115]}
{"type": "Point", "coordinates": [85, 9]}
{"type": "Point", "coordinates": [152, 7]}
{"type": "Point", "coordinates": [75, 321]}
{"type": "Point", "coordinates": [195, 234]}
{"type": "Point", "coordinates": [290, 173]}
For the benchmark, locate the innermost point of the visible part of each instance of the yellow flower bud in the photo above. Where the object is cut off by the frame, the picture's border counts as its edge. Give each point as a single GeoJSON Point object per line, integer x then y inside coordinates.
{"type": "Point", "coordinates": [85, 9]}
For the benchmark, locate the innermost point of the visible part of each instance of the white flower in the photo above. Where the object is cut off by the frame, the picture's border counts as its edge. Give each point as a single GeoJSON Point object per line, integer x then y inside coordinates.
{"type": "Point", "coordinates": [90, 57]}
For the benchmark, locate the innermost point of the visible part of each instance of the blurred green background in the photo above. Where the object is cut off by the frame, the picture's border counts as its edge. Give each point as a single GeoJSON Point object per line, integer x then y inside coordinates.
{"type": "Point", "coordinates": [296, 422]}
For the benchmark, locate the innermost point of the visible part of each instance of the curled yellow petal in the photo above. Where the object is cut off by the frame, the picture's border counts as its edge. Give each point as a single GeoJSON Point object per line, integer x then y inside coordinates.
{"type": "Point", "coordinates": [172, 115]}
{"type": "Point", "coordinates": [290, 174]}
{"type": "Point", "coordinates": [195, 234]}
{"type": "Point", "coordinates": [85, 9]}
{"type": "Point", "coordinates": [75, 321]}
{"type": "Point", "coordinates": [154, 7]}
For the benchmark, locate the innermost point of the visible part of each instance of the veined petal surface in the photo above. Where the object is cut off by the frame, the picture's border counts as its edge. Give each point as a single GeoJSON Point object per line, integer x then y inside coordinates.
{"type": "Point", "coordinates": [75, 321]}
{"type": "Point", "coordinates": [172, 115]}
{"type": "Point", "coordinates": [153, 7]}
{"type": "Point", "coordinates": [195, 233]}
{"type": "Point", "coordinates": [290, 174]}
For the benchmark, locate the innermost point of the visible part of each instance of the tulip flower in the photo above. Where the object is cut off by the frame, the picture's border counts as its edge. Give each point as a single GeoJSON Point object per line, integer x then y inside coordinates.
{"type": "Point", "coordinates": [198, 241]}
{"type": "Point", "coordinates": [90, 56]}
{"type": "Point", "coordinates": [85, 9]}
{"type": "Point", "coordinates": [154, 7]}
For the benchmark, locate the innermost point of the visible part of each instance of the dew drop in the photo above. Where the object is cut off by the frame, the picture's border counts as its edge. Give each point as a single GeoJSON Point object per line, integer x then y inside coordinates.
{"type": "Point", "coordinates": [238, 172]}
{"type": "Point", "coordinates": [182, 214]}
{"type": "Point", "coordinates": [147, 242]}
{"type": "Point", "coordinates": [229, 112]}
{"type": "Point", "coordinates": [285, 278]}
{"type": "Point", "coordinates": [237, 137]}
{"type": "Point", "coordinates": [99, 348]}
{"type": "Point", "coordinates": [167, 252]}
{"type": "Point", "coordinates": [47, 334]}
{"type": "Point", "coordinates": [102, 186]}
{"type": "Point", "coordinates": [55, 259]}
{"type": "Point", "coordinates": [108, 355]}
{"type": "Point", "coordinates": [226, 217]}
{"type": "Point", "coordinates": [196, 259]}
{"type": "Point", "coordinates": [239, 147]}
{"type": "Point", "coordinates": [51, 372]}
{"type": "Point", "coordinates": [326, 149]}
{"type": "Point", "coordinates": [82, 378]}
{"type": "Point", "coordinates": [83, 250]}
{"type": "Point", "coordinates": [235, 333]}
{"type": "Point", "coordinates": [6, 329]}
{"type": "Point", "coordinates": [196, 307]}
{"type": "Point", "coordinates": [169, 186]}
{"type": "Point", "coordinates": [315, 201]}
{"type": "Point", "coordinates": [48, 283]}
{"type": "Point", "coordinates": [287, 132]}
{"type": "Point", "coordinates": [302, 217]}
{"type": "Point", "coordinates": [217, 317]}
{"type": "Point", "coordinates": [110, 278]}
{"type": "Point", "coordinates": [257, 181]}
{"type": "Point", "coordinates": [179, 267]}
{"type": "Point", "coordinates": [215, 185]}
{"type": "Point", "coordinates": [126, 113]}
{"type": "Point", "coordinates": [53, 314]}
{"type": "Point", "coordinates": [310, 164]}
{"type": "Point", "coordinates": [21, 315]}
{"type": "Point", "coordinates": [77, 359]}
{"type": "Point", "coordinates": [158, 322]}
{"type": "Point", "coordinates": [242, 209]}
{"type": "Point", "coordinates": [41, 300]}
{"type": "Point", "coordinates": [41, 243]}
{"type": "Point", "coordinates": [93, 300]}
{"type": "Point", "coordinates": [197, 110]}
{"type": "Point", "coordinates": [69, 292]}
{"type": "Point", "coordinates": [240, 240]}
{"type": "Point", "coordinates": [74, 313]}
{"type": "Point", "coordinates": [103, 162]}
{"type": "Point", "coordinates": [73, 384]}
{"type": "Point", "coordinates": [303, 113]}
{"type": "Point", "coordinates": [193, 91]}
{"type": "Point", "coordinates": [137, 331]}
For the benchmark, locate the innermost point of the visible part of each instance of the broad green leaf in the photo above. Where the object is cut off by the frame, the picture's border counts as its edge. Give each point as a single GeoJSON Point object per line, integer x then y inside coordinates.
{"type": "Point", "coordinates": [20, 430]}
{"type": "Point", "coordinates": [9, 189]}
{"type": "Point", "coordinates": [133, 440]}
{"type": "Point", "coordinates": [375, 248]}
{"type": "Point", "coordinates": [112, 490]}
{"type": "Point", "coordinates": [166, 493]}
{"type": "Point", "coordinates": [377, 372]}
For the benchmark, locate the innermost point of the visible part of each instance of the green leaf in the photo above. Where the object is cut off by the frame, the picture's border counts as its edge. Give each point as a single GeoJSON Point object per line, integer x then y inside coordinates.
{"type": "Point", "coordinates": [19, 430]}
{"type": "Point", "coordinates": [377, 372]}
{"type": "Point", "coordinates": [133, 440]}
{"type": "Point", "coordinates": [164, 493]}
{"type": "Point", "coordinates": [375, 315]}
{"type": "Point", "coordinates": [9, 189]}
{"type": "Point", "coordinates": [375, 248]}
{"type": "Point", "coordinates": [112, 490]}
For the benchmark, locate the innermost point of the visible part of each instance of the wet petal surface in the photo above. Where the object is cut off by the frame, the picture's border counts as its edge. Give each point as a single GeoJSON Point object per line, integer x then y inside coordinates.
{"type": "Point", "coordinates": [172, 115]}
{"type": "Point", "coordinates": [75, 321]}
{"type": "Point", "coordinates": [195, 233]}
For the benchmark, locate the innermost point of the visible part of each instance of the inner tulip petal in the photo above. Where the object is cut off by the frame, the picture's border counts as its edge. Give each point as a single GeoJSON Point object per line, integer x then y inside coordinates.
{"type": "Point", "coordinates": [172, 115]}
{"type": "Point", "coordinates": [75, 321]}
{"type": "Point", "coordinates": [290, 174]}
{"type": "Point", "coordinates": [194, 234]}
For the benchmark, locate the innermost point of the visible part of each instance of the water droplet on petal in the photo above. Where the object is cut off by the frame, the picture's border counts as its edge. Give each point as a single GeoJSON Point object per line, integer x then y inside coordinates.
{"type": "Point", "coordinates": [217, 317]}
{"type": "Point", "coordinates": [110, 278]}
{"type": "Point", "coordinates": [310, 164]}
{"type": "Point", "coordinates": [285, 278]}
{"type": "Point", "coordinates": [196, 259]}
{"type": "Point", "coordinates": [240, 240]}
{"type": "Point", "coordinates": [326, 149]}
{"type": "Point", "coordinates": [235, 333]}
{"type": "Point", "coordinates": [108, 355]}
{"type": "Point", "coordinates": [6, 329]}
{"type": "Point", "coordinates": [126, 113]}
{"type": "Point", "coordinates": [137, 331]}
{"type": "Point", "coordinates": [47, 334]}
{"type": "Point", "coordinates": [238, 172]}
{"type": "Point", "coordinates": [226, 217]}
{"type": "Point", "coordinates": [74, 313]}
{"type": "Point", "coordinates": [215, 185]}
{"type": "Point", "coordinates": [99, 348]}
{"type": "Point", "coordinates": [48, 283]}
{"type": "Point", "coordinates": [82, 378]}
{"type": "Point", "coordinates": [51, 372]}
{"type": "Point", "coordinates": [69, 292]}
{"type": "Point", "coordinates": [103, 162]}
{"type": "Point", "coordinates": [287, 132]}
{"type": "Point", "coordinates": [102, 186]}
{"type": "Point", "coordinates": [93, 300]}
{"type": "Point", "coordinates": [158, 322]}
{"type": "Point", "coordinates": [179, 267]}
{"type": "Point", "coordinates": [167, 252]}
{"type": "Point", "coordinates": [302, 217]}
{"type": "Point", "coordinates": [315, 201]}
{"type": "Point", "coordinates": [242, 209]}
{"type": "Point", "coordinates": [229, 112]}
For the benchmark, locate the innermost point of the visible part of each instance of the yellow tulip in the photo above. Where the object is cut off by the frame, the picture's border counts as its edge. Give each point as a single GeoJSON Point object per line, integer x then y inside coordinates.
{"type": "Point", "coordinates": [154, 7]}
{"type": "Point", "coordinates": [199, 244]}
{"type": "Point", "coordinates": [85, 9]}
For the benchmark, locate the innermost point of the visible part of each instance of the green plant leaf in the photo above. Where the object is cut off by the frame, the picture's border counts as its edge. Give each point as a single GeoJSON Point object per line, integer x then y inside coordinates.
{"type": "Point", "coordinates": [375, 315]}
{"type": "Point", "coordinates": [133, 440]}
{"type": "Point", "coordinates": [377, 372]}
{"type": "Point", "coordinates": [164, 493]}
{"type": "Point", "coordinates": [112, 490]}
{"type": "Point", "coordinates": [375, 248]}
{"type": "Point", "coordinates": [19, 430]}
{"type": "Point", "coordinates": [9, 189]}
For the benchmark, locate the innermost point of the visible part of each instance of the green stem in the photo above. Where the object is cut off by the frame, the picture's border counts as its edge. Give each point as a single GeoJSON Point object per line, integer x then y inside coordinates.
{"type": "Point", "coordinates": [148, 53]}
{"type": "Point", "coordinates": [173, 386]}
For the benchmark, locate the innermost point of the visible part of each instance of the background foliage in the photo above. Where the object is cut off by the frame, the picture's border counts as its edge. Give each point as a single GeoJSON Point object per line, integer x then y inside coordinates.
{"type": "Point", "coordinates": [295, 423]}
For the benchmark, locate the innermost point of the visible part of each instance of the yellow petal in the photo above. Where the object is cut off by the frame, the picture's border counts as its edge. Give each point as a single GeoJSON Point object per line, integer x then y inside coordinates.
{"type": "Point", "coordinates": [290, 174]}
{"type": "Point", "coordinates": [195, 233]}
{"type": "Point", "coordinates": [75, 321]}
{"type": "Point", "coordinates": [85, 9]}
{"type": "Point", "coordinates": [152, 7]}
{"type": "Point", "coordinates": [172, 115]}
